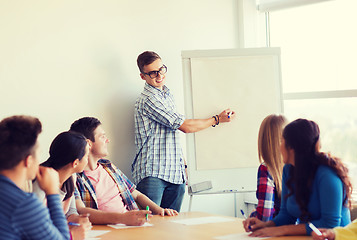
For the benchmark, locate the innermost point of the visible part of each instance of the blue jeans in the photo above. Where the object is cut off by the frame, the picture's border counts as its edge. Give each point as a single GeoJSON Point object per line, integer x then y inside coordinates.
{"type": "Point", "coordinates": [164, 194]}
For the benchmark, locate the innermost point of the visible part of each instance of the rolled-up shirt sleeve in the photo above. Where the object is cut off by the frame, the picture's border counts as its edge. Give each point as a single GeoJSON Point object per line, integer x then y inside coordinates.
{"type": "Point", "coordinates": [158, 111]}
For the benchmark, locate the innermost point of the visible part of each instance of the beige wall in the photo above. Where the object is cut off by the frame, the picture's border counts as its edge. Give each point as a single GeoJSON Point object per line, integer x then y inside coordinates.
{"type": "Point", "coordinates": [61, 60]}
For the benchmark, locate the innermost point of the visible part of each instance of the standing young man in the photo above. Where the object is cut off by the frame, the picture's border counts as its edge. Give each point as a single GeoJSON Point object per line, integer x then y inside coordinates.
{"type": "Point", "coordinates": [159, 167]}
{"type": "Point", "coordinates": [22, 215]}
{"type": "Point", "coordinates": [103, 190]}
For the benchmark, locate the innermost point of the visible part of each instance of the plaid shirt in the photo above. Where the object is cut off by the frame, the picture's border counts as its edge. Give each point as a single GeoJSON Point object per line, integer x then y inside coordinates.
{"type": "Point", "coordinates": [157, 140]}
{"type": "Point", "coordinates": [86, 192]}
{"type": "Point", "coordinates": [268, 200]}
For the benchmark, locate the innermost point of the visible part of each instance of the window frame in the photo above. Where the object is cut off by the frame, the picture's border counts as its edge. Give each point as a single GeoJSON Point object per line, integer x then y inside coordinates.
{"type": "Point", "coordinates": [306, 95]}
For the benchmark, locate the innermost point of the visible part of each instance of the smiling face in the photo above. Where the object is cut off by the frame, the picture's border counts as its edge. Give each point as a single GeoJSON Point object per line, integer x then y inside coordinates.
{"type": "Point", "coordinates": [158, 81]}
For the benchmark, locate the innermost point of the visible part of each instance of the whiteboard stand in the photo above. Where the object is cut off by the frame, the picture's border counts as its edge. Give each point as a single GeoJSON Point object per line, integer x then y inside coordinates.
{"type": "Point", "coordinates": [234, 192]}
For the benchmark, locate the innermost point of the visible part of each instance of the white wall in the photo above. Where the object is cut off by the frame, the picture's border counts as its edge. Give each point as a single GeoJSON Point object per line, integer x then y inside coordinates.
{"type": "Point", "coordinates": [62, 60]}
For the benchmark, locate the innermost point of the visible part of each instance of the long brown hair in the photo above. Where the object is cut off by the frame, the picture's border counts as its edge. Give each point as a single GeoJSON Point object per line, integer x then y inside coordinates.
{"type": "Point", "coordinates": [270, 134]}
{"type": "Point", "coordinates": [302, 136]}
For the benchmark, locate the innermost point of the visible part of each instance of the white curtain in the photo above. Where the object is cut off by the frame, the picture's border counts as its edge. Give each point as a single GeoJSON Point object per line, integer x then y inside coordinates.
{"type": "Point", "coordinates": [272, 5]}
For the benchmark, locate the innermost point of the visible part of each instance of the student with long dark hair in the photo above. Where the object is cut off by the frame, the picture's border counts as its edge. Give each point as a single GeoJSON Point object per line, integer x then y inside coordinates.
{"type": "Point", "coordinates": [68, 155]}
{"type": "Point", "coordinates": [315, 189]}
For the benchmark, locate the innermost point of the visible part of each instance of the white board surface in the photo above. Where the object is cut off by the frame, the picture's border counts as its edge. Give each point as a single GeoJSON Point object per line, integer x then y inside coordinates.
{"type": "Point", "coordinates": [248, 82]}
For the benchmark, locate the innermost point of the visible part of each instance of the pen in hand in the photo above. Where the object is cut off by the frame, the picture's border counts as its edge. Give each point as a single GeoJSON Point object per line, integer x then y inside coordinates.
{"type": "Point", "coordinates": [243, 214]}
{"type": "Point", "coordinates": [245, 217]}
{"type": "Point", "coordinates": [74, 224]}
{"type": "Point", "coordinates": [147, 215]}
{"type": "Point", "coordinates": [81, 220]}
{"type": "Point", "coordinates": [313, 228]}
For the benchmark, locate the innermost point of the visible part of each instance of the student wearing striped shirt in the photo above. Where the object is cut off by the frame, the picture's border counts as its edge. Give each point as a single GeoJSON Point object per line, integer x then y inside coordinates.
{"type": "Point", "coordinates": [271, 167]}
{"type": "Point", "coordinates": [159, 168]}
{"type": "Point", "coordinates": [103, 191]}
{"type": "Point", "coordinates": [22, 215]}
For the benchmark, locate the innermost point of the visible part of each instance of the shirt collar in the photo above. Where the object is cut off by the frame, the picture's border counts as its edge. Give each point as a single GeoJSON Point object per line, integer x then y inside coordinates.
{"type": "Point", "coordinates": [154, 90]}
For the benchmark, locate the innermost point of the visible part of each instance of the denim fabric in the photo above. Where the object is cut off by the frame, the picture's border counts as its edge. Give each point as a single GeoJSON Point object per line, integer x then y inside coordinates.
{"type": "Point", "coordinates": [164, 194]}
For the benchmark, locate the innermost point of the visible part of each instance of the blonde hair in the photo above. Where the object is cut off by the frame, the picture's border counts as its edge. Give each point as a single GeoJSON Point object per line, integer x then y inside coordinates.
{"type": "Point", "coordinates": [269, 138]}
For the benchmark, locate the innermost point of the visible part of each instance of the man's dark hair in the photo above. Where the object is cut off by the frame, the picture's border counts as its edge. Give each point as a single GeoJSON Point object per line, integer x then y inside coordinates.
{"type": "Point", "coordinates": [18, 136]}
{"type": "Point", "coordinates": [86, 126]}
{"type": "Point", "coordinates": [146, 58]}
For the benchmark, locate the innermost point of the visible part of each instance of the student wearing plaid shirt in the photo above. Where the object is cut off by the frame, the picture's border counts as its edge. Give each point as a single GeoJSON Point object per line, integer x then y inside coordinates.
{"type": "Point", "coordinates": [315, 186]}
{"type": "Point", "coordinates": [159, 167]}
{"type": "Point", "coordinates": [271, 167]}
{"type": "Point", "coordinates": [267, 195]}
{"type": "Point", "coordinates": [103, 191]}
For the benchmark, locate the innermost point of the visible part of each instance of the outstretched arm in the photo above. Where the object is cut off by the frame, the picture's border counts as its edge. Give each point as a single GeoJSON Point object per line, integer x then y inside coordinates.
{"type": "Point", "coordinates": [195, 125]}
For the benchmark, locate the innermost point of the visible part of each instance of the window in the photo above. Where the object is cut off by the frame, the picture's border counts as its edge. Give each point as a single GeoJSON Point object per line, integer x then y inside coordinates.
{"type": "Point", "coordinates": [318, 56]}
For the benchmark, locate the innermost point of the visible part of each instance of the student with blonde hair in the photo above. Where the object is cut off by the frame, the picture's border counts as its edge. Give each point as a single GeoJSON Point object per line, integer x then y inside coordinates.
{"type": "Point", "coordinates": [271, 167]}
{"type": "Point", "coordinates": [315, 186]}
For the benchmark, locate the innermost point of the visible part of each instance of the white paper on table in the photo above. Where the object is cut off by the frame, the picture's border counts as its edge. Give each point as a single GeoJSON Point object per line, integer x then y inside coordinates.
{"type": "Point", "coordinates": [239, 236]}
{"type": "Point", "coordinates": [123, 226]}
{"type": "Point", "coordinates": [93, 234]}
{"type": "Point", "coordinates": [202, 220]}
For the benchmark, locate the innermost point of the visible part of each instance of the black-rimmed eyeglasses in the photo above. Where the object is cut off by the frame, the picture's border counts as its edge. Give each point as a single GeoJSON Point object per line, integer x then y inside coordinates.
{"type": "Point", "coordinates": [155, 74]}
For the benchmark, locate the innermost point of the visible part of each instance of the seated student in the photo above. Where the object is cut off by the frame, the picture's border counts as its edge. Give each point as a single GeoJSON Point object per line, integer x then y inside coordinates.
{"type": "Point", "coordinates": [104, 191]}
{"type": "Point", "coordinates": [338, 233]}
{"type": "Point", "coordinates": [22, 215]}
{"type": "Point", "coordinates": [271, 167]}
{"type": "Point", "coordinates": [315, 187]}
{"type": "Point", "coordinates": [68, 155]}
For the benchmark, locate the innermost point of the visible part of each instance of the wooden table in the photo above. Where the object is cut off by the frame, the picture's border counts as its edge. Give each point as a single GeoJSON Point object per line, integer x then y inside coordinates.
{"type": "Point", "coordinates": [165, 229]}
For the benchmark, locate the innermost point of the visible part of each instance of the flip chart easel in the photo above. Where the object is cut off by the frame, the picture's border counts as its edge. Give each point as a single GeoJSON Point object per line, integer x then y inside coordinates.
{"type": "Point", "coordinates": [249, 82]}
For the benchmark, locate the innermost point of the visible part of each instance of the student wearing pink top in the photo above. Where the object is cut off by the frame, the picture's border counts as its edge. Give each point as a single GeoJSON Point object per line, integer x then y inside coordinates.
{"type": "Point", "coordinates": [103, 191]}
